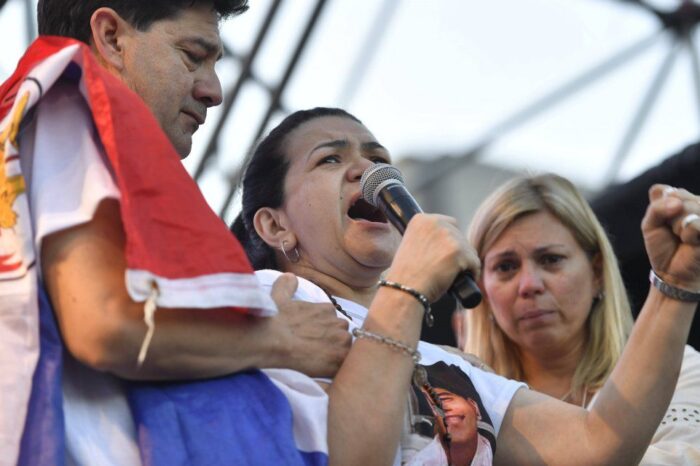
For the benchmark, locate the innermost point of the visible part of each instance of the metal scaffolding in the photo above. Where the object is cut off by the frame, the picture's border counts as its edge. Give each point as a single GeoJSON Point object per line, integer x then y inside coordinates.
{"type": "Point", "coordinates": [679, 24]}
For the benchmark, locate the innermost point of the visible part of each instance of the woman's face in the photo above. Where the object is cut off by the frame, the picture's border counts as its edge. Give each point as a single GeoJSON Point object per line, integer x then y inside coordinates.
{"type": "Point", "coordinates": [540, 284]}
{"type": "Point", "coordinates": [337, 232]}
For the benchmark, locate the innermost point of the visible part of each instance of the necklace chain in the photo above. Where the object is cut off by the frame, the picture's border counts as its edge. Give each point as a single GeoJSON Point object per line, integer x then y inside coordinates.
{"type": "Point", "coordinates": [337, 305]}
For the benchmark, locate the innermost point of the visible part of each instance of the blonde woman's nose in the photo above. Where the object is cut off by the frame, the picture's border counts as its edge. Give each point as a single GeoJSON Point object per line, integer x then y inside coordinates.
{"type": "Point", "coordinates": [530, 280]}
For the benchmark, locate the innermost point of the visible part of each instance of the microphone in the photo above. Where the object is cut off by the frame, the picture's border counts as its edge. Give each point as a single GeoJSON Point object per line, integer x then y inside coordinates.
{"type": "Point", "coordinates": [383, 187]}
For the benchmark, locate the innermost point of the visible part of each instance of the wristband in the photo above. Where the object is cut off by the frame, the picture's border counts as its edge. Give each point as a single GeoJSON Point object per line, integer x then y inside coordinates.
{"type": "Point", "coordinates": [671, 291]}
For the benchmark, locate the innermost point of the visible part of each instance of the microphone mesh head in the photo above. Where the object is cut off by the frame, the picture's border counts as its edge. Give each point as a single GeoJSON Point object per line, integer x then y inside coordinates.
{"type": "Point", "coordinates": [376, 178]}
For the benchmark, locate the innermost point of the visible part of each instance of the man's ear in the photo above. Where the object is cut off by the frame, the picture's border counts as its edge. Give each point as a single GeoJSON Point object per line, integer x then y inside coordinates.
{"type": "Point", "coordinates": [108, 33]}
{"type": "Point", "coordinates": [272, 227]}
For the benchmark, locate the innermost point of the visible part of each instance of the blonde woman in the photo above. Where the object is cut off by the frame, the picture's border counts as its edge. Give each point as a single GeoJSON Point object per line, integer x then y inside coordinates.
{"type": "Point", "coordinates": [556, 314]}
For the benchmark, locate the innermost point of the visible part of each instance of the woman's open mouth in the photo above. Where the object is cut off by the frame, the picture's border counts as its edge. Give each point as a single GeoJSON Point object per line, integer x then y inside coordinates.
{"type": "Point", "coordinates": [363, 210]}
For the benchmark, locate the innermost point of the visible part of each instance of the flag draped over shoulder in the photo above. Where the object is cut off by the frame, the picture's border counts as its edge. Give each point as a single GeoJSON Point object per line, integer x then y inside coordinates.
{"type": "Point", "coordinates": [178, 252]}
{"type": "Point", "coordinates": [174, 241]}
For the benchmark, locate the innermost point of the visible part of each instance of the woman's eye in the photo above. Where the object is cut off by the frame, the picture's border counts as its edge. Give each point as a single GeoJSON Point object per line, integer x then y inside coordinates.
{"type": "Point", "coordinates": [504, 267]}
{"type": "Point", "coordinates": [379, 159]}
{"type": "Point", "coordinates": [329, 159]}
{"type": "Point", "coordinates": [552, 259]}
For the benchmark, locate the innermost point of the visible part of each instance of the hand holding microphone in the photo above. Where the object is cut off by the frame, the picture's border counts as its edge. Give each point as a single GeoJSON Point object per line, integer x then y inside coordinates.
{"type": "Point", "coordinates": [383, 187]}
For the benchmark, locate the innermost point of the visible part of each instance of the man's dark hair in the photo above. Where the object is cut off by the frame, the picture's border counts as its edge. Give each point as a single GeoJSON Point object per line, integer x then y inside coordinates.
{"type": "Point", "coordinates": [71, 18]}
{"type": "Point", "coordinates": [263, 182]}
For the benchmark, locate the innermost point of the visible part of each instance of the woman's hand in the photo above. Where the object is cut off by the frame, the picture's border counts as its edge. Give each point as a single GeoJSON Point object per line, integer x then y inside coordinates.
{"type": "Point", "coordinates": [671, 229]}
{"type": "Point", "coordinates": [433, 251]}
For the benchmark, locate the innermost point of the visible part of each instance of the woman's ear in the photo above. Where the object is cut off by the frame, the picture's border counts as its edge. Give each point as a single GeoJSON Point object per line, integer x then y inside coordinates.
{"type": "Point", "coordinates": [271, 225]}
{"type": "Point", "coordinates": [108, 32]}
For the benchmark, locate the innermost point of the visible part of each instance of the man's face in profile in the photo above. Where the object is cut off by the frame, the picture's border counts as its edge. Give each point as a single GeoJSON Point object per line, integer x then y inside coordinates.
{"type": "Point", "coordinates": [171, 66]}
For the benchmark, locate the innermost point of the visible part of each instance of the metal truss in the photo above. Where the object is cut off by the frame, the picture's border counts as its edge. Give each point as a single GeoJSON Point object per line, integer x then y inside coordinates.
{"type": "Point", "coordinates": [275, 93]}
{"type": "Point", "coordinates": [679, 23]}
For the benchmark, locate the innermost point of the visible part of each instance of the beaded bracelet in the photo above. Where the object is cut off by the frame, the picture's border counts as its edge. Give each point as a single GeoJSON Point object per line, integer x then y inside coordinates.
{"type": "Point", "coordinates": [429, 319]}
{"type": "Point", "coordinates": [414, 354]}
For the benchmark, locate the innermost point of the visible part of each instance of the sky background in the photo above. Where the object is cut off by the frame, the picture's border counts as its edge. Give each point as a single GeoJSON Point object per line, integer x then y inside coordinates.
{"type": "Point", "coordinates": [432, 78]}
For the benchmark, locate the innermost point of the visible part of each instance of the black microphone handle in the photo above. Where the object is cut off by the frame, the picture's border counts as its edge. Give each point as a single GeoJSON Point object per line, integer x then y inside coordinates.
{"type": "Point", "coordinates": [399, 207]}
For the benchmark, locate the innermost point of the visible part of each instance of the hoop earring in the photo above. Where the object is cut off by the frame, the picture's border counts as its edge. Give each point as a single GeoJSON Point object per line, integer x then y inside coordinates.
{"type": "Point", "coordinates": [296, 253]}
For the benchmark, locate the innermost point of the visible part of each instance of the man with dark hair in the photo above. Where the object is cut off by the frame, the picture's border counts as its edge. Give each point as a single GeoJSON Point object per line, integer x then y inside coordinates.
{"type": "Point", "coordinates": [164, 51]}
{"type": "Point", "coordinates": [71, 18]}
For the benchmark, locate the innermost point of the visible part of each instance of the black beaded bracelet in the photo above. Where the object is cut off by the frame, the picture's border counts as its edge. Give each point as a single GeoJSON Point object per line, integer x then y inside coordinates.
{"type": "Point", "coordinates": [429, 319]}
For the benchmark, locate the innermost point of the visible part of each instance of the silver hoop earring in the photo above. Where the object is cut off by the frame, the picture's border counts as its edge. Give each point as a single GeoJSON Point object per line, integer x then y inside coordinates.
{"type": "Point", "coordinates": [296, 253]}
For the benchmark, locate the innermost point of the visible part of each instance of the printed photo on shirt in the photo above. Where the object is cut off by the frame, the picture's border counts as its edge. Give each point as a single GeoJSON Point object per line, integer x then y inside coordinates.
{"type": "Point", "coordinates": [447, 414]}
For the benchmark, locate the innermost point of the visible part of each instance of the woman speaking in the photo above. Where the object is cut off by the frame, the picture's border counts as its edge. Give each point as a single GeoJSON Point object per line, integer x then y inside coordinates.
{"type": "Point", "coordinates": [303, 213]}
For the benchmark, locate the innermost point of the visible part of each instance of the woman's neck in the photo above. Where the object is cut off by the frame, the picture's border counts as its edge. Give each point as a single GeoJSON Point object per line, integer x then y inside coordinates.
{"type": "Point", "coordinates": [360, 293]}
{"type": "Point", "coordinates": [552, 372]}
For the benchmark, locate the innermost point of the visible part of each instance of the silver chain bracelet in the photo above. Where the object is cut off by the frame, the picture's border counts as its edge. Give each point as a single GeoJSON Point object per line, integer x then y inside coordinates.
{"type": "Point", "coordinates": [414, 354]}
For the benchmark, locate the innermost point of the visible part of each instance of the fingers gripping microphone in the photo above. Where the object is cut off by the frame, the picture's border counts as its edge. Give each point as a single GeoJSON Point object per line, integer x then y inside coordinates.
{"type": "Point", "coordinates": [383, 186]}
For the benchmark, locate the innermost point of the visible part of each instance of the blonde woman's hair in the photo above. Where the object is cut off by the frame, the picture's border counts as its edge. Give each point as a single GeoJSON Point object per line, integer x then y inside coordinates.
{"type": "Point", "coordinates": [609, 320]}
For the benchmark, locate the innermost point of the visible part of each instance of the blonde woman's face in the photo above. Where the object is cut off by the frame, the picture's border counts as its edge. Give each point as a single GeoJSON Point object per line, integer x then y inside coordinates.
{"type": "Point", "coordinates": [540, 285]}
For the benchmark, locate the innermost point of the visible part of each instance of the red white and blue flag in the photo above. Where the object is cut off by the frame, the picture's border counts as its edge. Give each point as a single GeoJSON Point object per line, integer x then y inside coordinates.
{"type": "Point", "coordinates": [54, 170]}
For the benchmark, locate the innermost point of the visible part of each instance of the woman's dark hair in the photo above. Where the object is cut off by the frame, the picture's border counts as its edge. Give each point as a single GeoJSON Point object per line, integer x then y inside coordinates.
{"type": "Point", "coordinates": [71, 18]}
{"type": "Point", "coordinates": [263, 182]}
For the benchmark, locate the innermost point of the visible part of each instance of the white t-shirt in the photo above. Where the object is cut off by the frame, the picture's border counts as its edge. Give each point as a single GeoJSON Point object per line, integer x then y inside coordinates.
{"type": "Point", "coordinates": [493, 392]}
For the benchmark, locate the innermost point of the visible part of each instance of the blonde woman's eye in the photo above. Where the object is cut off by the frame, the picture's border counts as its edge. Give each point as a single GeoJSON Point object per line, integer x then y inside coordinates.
{"type": "Point", "coordinates": [504, 267]}
{"type": "Point", "coordinates": [552, 259]}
